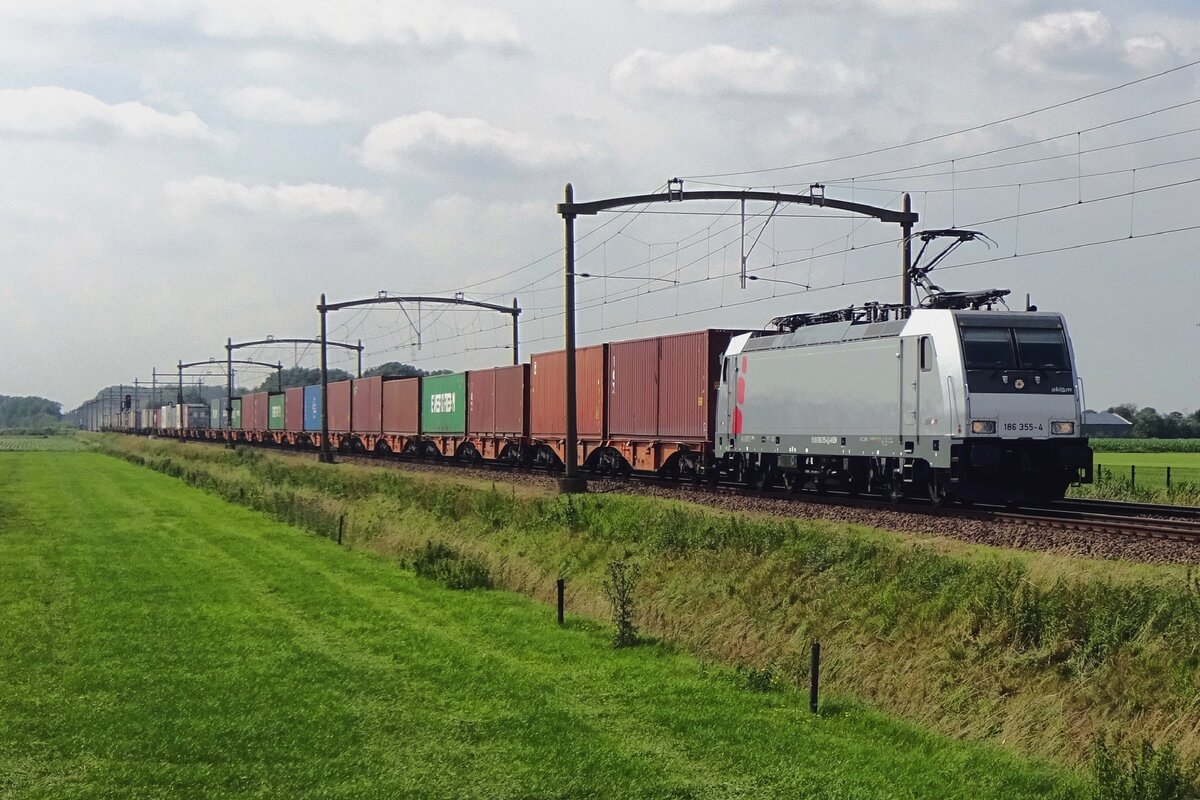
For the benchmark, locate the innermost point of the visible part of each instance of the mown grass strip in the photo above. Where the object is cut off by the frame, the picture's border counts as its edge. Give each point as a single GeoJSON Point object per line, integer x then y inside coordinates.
{"type": "Point", "coordinates": [157, 642]}
{"type": "Point", "coordinates": [1042, 653]}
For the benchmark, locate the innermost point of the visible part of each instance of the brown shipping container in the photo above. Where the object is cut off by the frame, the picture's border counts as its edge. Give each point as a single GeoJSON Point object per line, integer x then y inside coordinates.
{"type": "Point", "coordinates": [293, 409]}
{"type": "Point", "coordinates": [368, 405]}
{"type": "Point", "coordinates": [498, 401]}
{"type": "Point", "coordinates": [255, 412]}
{"type": "Point", "coordinates": [339, 407]}
{"type": "Point", "coordinates": [481, 402]}
{"type": "Point", "coordinates": [402, 406]}
{"type": "Point", "coordinates": [548, 393]}
{"type": "Point", "coordinates": [633, 388]}
{"type": "Point", "coordinates": [248, 401]}
{"type": "Point", "coordinates": [512, 400]}
{"type": "Point", "coordinates": [689, 374]}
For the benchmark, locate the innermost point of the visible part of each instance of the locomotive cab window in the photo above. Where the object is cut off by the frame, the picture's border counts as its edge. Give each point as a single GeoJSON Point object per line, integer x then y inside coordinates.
{"type": "Point", "coordinates": [1042, 348]}
{"type": "Point", "coordinates": [926, 354]}
{"type": "Point", "coordinates": [988, 348]}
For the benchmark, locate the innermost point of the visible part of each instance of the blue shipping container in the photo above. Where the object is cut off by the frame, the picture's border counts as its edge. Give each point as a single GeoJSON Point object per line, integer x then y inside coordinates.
{"type": "Point", "coordinates": [312, 408]}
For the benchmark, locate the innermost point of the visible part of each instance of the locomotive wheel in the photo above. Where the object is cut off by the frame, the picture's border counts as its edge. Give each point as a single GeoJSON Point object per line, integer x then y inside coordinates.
{"type": "Point", "coordinates": [763, 479]}
{"type": "Point", "coordinates": [938, 493]}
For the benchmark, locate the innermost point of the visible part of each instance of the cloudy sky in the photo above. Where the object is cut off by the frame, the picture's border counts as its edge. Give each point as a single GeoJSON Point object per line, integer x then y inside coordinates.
{"type": "Point", "coordinates": [176, 172]}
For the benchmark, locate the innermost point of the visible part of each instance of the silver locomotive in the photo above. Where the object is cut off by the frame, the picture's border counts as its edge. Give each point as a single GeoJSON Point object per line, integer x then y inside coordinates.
{"type": "Point", "coordinates": [936, 402]}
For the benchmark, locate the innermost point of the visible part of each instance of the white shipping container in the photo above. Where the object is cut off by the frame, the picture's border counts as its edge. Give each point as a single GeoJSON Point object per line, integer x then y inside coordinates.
{"type": "Point", "coordinates": [198, 415]}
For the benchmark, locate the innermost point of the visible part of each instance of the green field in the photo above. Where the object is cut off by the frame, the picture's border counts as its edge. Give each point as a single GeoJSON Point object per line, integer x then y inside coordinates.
{"type": "Point", "coordinates": [156, 641]}
{"type": "Point", "coordinates": [33, 443]}
{"type": "Point", "coordinates": [1151, 468]}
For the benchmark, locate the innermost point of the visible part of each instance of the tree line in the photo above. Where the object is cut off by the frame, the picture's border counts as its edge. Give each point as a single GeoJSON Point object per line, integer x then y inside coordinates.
{"type": "Point", "coordinates": [310, 376]}
{"type": "Point", "coordinates": [29, 412]}
{"type": "Point", "coordinates": [1149, 423]}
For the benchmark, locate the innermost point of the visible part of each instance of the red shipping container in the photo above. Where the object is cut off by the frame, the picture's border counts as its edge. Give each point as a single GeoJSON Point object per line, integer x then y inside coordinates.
{"type": "Point", "coordinates": [402, 406]}
{"type": "Point", "coordinates": [293, 409]}
{"type": "Point", "coordinates": [689, 375]}
{"type": "Point", "coordinates": [548, 393]}
{"type": "Point", "coordinates": [368, 405]}
{"type": "Point", "coordinates": [512, 400]}
{"type": "Point", "coordinates": [633, 388]}
{"type": "Point", "coordinates": [481, 402]}
{"type": "Point", "coordinates": [255, 412]}
{"type": "Point", "coordinates": [498, 401]}
{"type": "Point", "coordinates": [339, 406]}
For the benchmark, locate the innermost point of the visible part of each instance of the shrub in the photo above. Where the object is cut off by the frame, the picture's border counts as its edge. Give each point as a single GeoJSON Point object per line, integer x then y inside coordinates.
{"type": "Point", "coordinates": [757, 680]}
{"type": "Point", "coordinates": [442, 563]}
{"type": "Point", "coordinates": [1150, 774]}
{"type": "Point", "coordinates": [618, 588]}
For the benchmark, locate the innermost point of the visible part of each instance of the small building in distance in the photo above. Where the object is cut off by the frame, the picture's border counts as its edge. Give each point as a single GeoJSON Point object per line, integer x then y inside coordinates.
{"type": "Point", "coordinates": [1106, 425]}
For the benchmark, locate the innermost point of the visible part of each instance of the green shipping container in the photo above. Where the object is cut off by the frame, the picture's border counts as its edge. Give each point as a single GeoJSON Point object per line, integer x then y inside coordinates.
{"type": "Point", "coordinates": [237, 413]}
{"type": "Point", "coordinates": [275, 412]}
{"type": "Point", "coordinates": [444, 404]}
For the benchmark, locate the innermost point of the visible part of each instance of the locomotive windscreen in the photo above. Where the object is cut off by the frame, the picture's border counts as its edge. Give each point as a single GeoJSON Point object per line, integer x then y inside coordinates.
{"type": "Point", "coordinates": [1019, 348]}
{"type": "Point", "coordinates": [1038, 356]}
{"type": "Point", "coordinates": [1042, 348]}
{"type": "Point", "coordinates": [988, 348]}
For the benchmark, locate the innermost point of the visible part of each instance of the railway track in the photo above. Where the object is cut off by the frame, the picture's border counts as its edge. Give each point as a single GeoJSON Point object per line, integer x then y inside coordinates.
{"type": "Point", "coordinates": [1142, 520]}
{"type": "Point", "coordinates": [1146, 520]}
{"type": "Point", "coordinates": [1125, 521]}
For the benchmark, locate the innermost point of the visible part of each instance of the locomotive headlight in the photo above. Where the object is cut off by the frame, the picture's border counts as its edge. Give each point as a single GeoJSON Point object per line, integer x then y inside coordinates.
{"type": "Point", "coordinates": [983, 426]}
{"type": "Point", "coordinates": [1065, 428]}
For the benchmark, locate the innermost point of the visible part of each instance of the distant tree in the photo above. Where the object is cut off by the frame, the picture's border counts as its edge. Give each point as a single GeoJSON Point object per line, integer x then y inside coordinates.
{"type": "Point", "coordinates": [299, 376]}
{"type": "Point", "coordinates": [28, 412]}
{"type": "Point", "coordinates": [1126, 411]}
{"type": "Point", "coordinates": [1149, 424]}
{"type": "Point", "coordinates": [394, 369]}
{"type": "Point", "coordinates": [440, 372]}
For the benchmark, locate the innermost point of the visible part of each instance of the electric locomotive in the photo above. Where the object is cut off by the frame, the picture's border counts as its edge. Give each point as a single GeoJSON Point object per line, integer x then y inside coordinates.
{"type": "Point", "coordinates": [956, 400]}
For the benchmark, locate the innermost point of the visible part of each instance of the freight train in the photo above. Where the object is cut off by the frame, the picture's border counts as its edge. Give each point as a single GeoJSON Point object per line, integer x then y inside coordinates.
{"type": "Point", "coordinates": [932, 402]}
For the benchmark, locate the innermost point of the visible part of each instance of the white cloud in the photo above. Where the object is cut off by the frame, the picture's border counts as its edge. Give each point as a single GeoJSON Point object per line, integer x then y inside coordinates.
{"type": "Point", "coordinates": [918, 8]}
{"type": "Point", "coordinates": [723, 70]}
{"type": "Point", "coordinates": [273, 104]}
{"type": "Point", "coordinates": [307, 200]}
{"type": "Point", "coordinates": [816, 128]}
{"type": "Point", "coordinates": [55, 111]}
{"type": "Point", "coordinates": [429, 136]}
{"type": "Point", "coordinates": [1076, 43]}
{"type": "Point", "coordinates": [1147, 52]}
{"type": "Point", "coordinates": [694, 7]}
{"type": "Point", "coordinates": [348, 22]}
{"type": "Point", "coordinates": [892, 8]}
{"type": "Point", "coordinates": [269, 60]}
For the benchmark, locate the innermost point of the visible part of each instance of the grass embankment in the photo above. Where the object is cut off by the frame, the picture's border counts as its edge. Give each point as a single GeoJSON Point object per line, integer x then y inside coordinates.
{"type": "Point", "coordinates": [1040, 653]}
{"type": "Point", "coordinates": [158, 642]}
